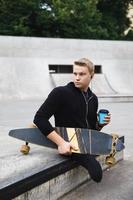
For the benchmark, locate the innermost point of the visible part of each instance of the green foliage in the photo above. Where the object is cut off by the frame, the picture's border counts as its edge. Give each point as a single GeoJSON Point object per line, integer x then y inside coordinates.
{"type": "Point", "coordinates": [86, 19]}
{"type": "Point", "coordinates": [114, 17]}
{"type": "Point", "coordinates": [16, 16]}
{"type": "Point", "coordinates": [70, 19]}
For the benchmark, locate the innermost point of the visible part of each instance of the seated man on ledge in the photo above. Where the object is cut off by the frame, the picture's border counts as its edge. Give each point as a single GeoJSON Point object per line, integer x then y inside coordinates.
{"type": "Point", "coordinates": [73, 105]}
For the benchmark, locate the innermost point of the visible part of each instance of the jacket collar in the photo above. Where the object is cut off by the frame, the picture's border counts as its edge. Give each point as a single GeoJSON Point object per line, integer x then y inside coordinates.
{"type": "Point", "coordinates": [72, 86]}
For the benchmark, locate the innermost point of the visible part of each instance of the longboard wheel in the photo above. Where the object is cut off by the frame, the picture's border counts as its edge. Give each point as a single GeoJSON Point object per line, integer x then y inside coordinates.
{"type": "Point", "coordinates": [110, 160]}
{"type": "Point", "coordinates": [115, 136]}
{"type": "Point", "coordinates": [25, 149]}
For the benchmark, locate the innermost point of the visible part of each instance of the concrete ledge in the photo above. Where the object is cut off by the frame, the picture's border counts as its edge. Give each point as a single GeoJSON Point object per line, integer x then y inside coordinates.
{"type": "Point", "coordinates": [13, 190]}
{"type": "Point", "coordinates": [62, 184]}
{"type": "Point", "coordinates": [52, 182]}
{"type": "Point", "coordinates": [115, 98]}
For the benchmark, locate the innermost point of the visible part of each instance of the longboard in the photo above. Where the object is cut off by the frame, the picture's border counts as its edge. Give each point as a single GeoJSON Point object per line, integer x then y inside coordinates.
{"type": "Point", "coordinates": [86, 140]}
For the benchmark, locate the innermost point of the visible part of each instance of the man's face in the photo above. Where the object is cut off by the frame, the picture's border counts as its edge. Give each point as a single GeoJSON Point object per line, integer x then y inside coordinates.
{"type": "Point", "coordinates": [81, 77]}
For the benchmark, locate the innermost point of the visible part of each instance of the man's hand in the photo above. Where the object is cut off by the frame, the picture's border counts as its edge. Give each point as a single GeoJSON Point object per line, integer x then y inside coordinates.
{"type": "Point", "coordinates": [66, 148]}
{"type": "Point", "coordinates": [107, 120]}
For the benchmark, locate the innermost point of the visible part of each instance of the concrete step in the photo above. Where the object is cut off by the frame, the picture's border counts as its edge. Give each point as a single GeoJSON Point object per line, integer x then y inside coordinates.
{"type": "Point", "coordinates": [55, 180]}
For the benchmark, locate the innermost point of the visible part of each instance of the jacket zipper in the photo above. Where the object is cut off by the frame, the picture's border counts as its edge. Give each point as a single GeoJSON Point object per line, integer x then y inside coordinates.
{"type": "Point", "coordinates": [86, 102]}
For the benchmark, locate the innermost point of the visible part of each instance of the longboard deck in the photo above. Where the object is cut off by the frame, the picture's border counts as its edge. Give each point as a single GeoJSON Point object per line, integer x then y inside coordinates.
{"type": "Point", "coordinates": [86, 140]}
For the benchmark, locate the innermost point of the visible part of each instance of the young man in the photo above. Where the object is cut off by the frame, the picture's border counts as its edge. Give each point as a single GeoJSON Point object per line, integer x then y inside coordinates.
{"type": "Point", "coordinates": [73, 105]}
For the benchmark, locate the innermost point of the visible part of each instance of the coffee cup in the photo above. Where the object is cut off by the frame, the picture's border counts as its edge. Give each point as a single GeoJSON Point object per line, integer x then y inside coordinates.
{"type": "Point", "coordinates": [101, 115]}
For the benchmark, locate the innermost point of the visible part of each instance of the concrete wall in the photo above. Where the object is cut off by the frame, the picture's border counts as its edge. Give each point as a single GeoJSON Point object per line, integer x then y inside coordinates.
{"type": "Point", "coordinates": [23, 78]}
{"type": "Point", "coordinates": [24, 63]}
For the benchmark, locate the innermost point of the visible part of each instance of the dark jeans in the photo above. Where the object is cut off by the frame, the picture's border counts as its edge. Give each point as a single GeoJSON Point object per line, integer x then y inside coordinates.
{"type": "Point", "coordinates": [90, 163]}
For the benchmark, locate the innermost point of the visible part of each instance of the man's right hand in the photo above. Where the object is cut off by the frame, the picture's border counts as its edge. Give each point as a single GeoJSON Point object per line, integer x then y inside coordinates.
{"type": "Point", "coordinates": [65, 148]}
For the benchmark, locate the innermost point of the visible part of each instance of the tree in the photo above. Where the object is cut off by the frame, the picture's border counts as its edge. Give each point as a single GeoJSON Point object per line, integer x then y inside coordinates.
{"type": "Point", "coordinates": [51, 18]}
{"type": "Point", "coordinates": [86, 19]}
{"type": "Point", "coordinates": [16, 16]}
{"type": "Point", "coordinates": [114, 17]}
{"type": "Point", "coordinates": [74, 19]}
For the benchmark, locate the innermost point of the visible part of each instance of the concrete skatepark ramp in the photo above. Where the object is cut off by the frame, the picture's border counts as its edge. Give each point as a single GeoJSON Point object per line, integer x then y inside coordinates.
{"type": "Point", "coordinates": [99, 83]}
{"type": "Point", "coordinates": [101, 86]}
{"type": "Point", "coordinates": [24, 65]}
{"type": "Point", "coordinates": [120, 76]}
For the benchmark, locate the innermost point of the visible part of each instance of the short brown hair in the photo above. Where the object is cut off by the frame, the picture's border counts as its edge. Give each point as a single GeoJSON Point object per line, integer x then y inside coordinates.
{"type": "Point", "coordinates": [86, 63]}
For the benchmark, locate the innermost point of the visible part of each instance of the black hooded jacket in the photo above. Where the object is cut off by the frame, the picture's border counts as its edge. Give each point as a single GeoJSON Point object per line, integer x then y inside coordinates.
{"type": "Point", "coordinates": [70, 107]}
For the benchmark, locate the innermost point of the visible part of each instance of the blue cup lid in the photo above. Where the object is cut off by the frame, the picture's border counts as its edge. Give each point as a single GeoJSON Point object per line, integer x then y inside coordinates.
{"type": "Point", "coordinates": [103, 111]}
